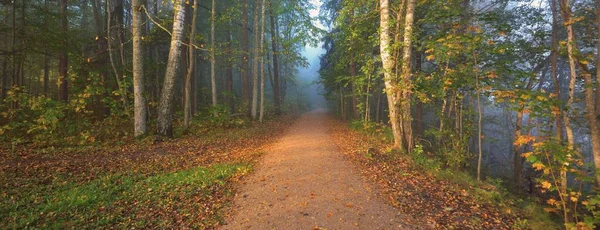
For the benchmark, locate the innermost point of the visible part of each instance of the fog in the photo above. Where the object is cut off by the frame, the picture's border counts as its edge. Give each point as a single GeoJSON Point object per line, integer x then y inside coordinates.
{"type": "Point", "coordinates": [309, 76]}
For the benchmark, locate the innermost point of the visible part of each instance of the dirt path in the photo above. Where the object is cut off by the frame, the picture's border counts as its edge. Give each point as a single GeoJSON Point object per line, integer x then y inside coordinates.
{"type": "Point", "coordinates": [304, 183]}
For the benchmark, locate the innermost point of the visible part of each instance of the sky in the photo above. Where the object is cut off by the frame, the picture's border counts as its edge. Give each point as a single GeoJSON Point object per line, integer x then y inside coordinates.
{"type": "Point", "coordinates": [310, 74]}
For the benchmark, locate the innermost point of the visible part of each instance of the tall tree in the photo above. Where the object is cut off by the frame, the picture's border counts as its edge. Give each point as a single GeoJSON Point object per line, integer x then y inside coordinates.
{"type": "Point", "coordinates": [255, 62]}
{"type": "Point", "coordinates": [63, 55]}
{"type": "Point", "coordinates": [406, 81]}
{"type": "Point", "coordinates": [244, 62]}
{"type": "Point", "coordinates": [139, 109]}
{"type": "Point", "coordinates": [274, 35]}
{"type": "Point", "coordinates": [165, 107]}
{"type": "Point", "coordinates": [187, 109]}
{"type": "Point", "coordinates": [262, 61]}
{"type": "Point", "coordinates": [213, 82]}
{"type": "Point", "coordinates": [388, 65]}
{"type": "Point", "coordinates": [554, 69]}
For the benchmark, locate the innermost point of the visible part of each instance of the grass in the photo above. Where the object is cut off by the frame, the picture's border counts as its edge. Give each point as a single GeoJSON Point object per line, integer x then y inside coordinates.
{"type": "Point", "coordinates": [99, 203]}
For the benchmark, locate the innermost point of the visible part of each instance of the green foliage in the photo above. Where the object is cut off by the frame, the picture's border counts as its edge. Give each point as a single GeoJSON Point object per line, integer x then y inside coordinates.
{"type": "Point", "coordinates": [379, 131]}
{"type": "Point", "coordinates": [555, 161]}
{"type": "Point", "coordinates": [99, 203]}
{"type": "Point", "coordinates": [217, 117]}
{"type": "Point", "coordinates": [28, 119]}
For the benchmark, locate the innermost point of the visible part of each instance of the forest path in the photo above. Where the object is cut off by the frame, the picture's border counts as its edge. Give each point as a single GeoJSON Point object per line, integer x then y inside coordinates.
{"type": "Point", "coordinates": [303, 182]}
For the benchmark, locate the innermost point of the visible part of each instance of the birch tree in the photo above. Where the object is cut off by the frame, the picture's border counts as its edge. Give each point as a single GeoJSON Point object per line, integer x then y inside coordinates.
{"type": "Point", "coordinates": [388, 65]}
{"type": "Point", "coordinates": [165, 107]}
{"type": "Point", "coordinates": [139, 101]}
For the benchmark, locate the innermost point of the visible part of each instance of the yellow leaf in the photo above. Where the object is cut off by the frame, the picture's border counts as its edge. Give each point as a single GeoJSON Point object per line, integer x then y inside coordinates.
{"type": "Point", "coordinates": [539, 166]}
{"type": "Point", "coordinates": [585, 203]}
{"type": "Point", "coordinates": [574, 199]}
{"type": "Point", "coordinates": [527, 154]}
{"type": "Point", "coordinates": [430, 57]}
{"type": "Point", "coordinates": [551, 201]}
{"type": "Point", "coordinates": [546, 185]}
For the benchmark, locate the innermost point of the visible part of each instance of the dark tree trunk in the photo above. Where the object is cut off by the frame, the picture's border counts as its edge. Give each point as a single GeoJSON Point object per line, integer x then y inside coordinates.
{"type": "Point", "coordinates": [4, 80]}
{"type": "Point", "coordinates": [229, 75]}
{"type": "Point", "coordinates": [276, 85]}
{"type": "Point", "coordinates": [245, 51]}
{"type": "Point", "coordinates": [355, 114]}
{"type": "Point", "coordinates": [63, 59]}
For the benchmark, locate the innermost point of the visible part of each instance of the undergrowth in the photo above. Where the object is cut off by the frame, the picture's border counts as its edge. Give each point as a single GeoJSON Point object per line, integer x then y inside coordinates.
{"type": "Point", "coordinates": [529, 212]}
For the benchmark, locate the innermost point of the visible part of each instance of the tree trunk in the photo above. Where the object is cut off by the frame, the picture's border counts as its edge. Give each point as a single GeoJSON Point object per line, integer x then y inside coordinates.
{"type": "Point", "coordinates": [276, 93]}
{"type": "Point", "coordinates": [554, 68]}
{"type": "Point", "coordinates": [479, 129]}
{"type": "Point", "coordinates": [566, 15]}
{"type": "Point", "coordinates": [187, 109]}
{"type": "Point", "coordinates": [245, 51]}
{"type": "Point", "coordinates": [213, 83]}
{"type": "Point", "coordinates": [229, 75]}
{"type": "Point", "coordinates": [255, 63]}
{"type": "Point", "coordinates": [406, 84]}
{"type": "Point", "coordinates": [46, 56]}
{"type": "Point", "coordinates": [63, 58]}
{"type": "Point", "coordinates": [118, 76]}
{"type": "Point", "coordinates": [390, 79]}
{"type": "Point", "coordinates": [262, 62]}
{"type": "Point", "coordinates": [596, 118]}
{"type": "Point", "coordinates": [4, 80]}
{"type": "Point", "coordinates": [139, 101]}
{"type": "Point", "coordinates": [367, 105]}
{"type": "Point", "coordinates": [355, 113]}
{"type": "Point", "coordinates": [165, 107]}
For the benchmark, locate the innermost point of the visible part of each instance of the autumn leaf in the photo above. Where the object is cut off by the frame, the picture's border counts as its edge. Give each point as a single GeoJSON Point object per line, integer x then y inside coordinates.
{"type": "Point", "coordinates": [538, 166]}
{"type": "Point", "coordinates": [546, 185]}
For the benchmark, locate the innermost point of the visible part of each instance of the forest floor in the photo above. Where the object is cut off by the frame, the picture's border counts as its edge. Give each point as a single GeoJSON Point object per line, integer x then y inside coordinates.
{"type": "Point", "coordinates": [185, 182]}
{"type": "Point", "coordinates": [314, 172]}
{"type": "Point", "coordinates": [304, 182]}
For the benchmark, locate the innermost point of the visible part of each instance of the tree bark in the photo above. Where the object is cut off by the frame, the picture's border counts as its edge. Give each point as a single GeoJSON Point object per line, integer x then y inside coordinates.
{"type": "Point", "coordinates": [255, 63]}
{"type": "Point", "coordinates": [390, 79]}
{"type": "Point", "coordinates": [63, 58]}
{"type": "Point", "coordinates": [355, 114]}
{"type": "Point", "coordinates": [566, 15]}
{"type": "Point", "coordinates": [596, 117]}
{"type": "Point", "coordinates": [262, 62]}
{"type": "Point", "coordinates": [46, 56]}
{"type": "Point", "coordinates": [554, 69]}
{"type": "Point", "coordinates": [229, 75]}
{"type": "Point", "coordinates": [187, 108]}
{"type": "Point", "coordinates": [213, 83]}
{"type": "Point", "coordinates": [406, 84]}
{"type": "Point", "coordinates": [245, 51]}
{"type": "Point", "coordinates": [165, 107]}
{"type": "Point", "coordinates": [4, 81]}
{"type": "Point", "coordinates": [274, 35]}
{"type": "Point", "coordinates": [140, 112]}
